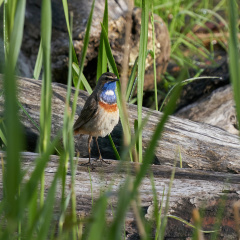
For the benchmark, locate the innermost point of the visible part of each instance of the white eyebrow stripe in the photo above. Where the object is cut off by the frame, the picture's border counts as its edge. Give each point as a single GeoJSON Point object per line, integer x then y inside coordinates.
{"type": "Point", "coordinates": [109, 92]}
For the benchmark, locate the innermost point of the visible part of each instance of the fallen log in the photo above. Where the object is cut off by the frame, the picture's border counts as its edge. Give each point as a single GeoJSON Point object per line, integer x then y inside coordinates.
{"type": "Point", "coordinates": [217, 109]}
{"type": "Point", "coordinates": [202, 146]}
{"type": "Point", "coordinates": [191, 189]}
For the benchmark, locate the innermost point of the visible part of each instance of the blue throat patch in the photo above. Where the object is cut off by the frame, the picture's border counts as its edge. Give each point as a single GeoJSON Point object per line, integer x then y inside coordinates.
{"type": "Point", "coordinates": [108, 94]}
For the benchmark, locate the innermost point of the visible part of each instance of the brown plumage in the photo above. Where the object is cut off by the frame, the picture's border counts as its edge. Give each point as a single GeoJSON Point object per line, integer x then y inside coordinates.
{"type": "Point", "coordinates": [100, 113]}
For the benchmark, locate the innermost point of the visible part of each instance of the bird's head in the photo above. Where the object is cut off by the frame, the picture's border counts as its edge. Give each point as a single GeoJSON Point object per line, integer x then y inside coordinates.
{"type": "Point", "coordinates": [107, 77]}
{"type": "Point", "coordinates": [106, 87]}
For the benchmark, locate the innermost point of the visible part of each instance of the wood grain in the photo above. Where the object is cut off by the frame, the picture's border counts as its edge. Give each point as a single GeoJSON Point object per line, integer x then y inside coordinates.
{"type": "Point", "coordinates": [202, 146]}
{"type": "Point", "coordinates": [191, 189]}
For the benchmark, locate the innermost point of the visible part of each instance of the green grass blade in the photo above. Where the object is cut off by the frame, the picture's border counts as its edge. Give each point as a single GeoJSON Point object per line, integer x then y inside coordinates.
{"type": "Point", "coordinates": [102, 57]}
{"type": "Point", "coordinates": [141, 66]}
{"type": "Point", "coordinates": [159, 218]}
{"type": "Point", "coordinates": [98, 227]}
{"type": "Point", "coordinates": [166, 208]}
{"type": "Point", "coordinates": [125, 195]}
{"type": "Point", "coordinates": [75, 59]}
{"type": "Point", "coordinates": [111, 60]}
{"type": "Point", "coordinates": [68, 153]}
{"type": "Point", "coordinates": [47, 210]}
{"type": "Point", "coordinates": [234, 56]}
{"type": "Point", "coordinates": [38, 64]}
{"type": "Point", "coordinates": [185, 82]}
{"type": "Point", "coordinates": [29, 117]}
{"type": "Point", "coordinates": [113, 68]}
{"type": "Point", "coordinates": [31, 185]}
{"type": "Point", "coordinates": [82, 78]}
{"type": "Point", "coordinates": [84, 51]}
{"type": "Point", "coordinates": [186, 222]}
{"type": "Point", "coordinates": [154, 60]}
{"type": "Point", "coordinates": [12, 174]}
{"type": "Point", "coordinates": [114, 147]}
{"type": "Point", "coordinates": [45, 111]}
{"type": "Point", "coordinates": [17, 33]}
{"type": "Point", "coordinates": [46, 95]}
{"type": "Point", "coordinates": [6, 33]}
{"type": "Point", "coordinates": [149, 154]}
{"type": "Point", "coordinates": [85, 45]}
{"type": "Point", "coordinates": [2, 134]}
{"type": "Point", "coordinates": [131, 80]}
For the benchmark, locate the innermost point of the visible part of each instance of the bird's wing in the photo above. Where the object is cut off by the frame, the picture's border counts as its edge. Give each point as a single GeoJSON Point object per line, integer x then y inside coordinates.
{"type": "Point", "coordinates": [89, 111]}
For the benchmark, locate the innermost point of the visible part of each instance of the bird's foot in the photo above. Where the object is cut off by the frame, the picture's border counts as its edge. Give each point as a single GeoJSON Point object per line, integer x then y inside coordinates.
{"type": "Point", "coordinates": [88, 164]}
{"type": "Point", "coordinates": [102, 161]}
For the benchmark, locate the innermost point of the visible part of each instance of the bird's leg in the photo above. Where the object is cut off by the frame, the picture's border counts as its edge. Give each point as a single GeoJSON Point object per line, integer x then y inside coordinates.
{"type": "Point", "coordinates": [89, 151]}
{"type": "Point", "coordinates": [89, 148]}
{"type": "Point", "coordinates": [100, 156]}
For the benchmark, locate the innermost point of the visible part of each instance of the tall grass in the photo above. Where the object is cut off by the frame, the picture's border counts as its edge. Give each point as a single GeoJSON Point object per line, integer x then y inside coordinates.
{"type": "Point", "coordinates": [234, 56]}
{"type": "Point", "coordinates": [141, 67]}
{"type": "Point", "coordinates": [13, 33]}
{"type": "Point", "coordinates": [20, 206]}
{"type": "Point", "coordinates": [46, 94]}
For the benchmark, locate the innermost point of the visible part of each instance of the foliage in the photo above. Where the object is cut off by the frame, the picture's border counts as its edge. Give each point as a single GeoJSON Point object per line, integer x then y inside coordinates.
{"type": "Point", "coordinates": [22, 215]}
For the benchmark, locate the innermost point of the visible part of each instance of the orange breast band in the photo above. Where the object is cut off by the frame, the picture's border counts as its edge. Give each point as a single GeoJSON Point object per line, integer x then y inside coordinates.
{"type": "Point", "coordinates": [108, 107]}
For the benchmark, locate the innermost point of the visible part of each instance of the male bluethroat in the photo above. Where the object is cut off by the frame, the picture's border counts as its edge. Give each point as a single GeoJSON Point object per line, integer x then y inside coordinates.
{"type": "Point", "coordinates": [100, 113]}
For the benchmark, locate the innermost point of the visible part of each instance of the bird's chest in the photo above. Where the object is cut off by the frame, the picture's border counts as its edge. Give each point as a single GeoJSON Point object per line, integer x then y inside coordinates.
{"type": "Point", "coordinates": [107, 118]}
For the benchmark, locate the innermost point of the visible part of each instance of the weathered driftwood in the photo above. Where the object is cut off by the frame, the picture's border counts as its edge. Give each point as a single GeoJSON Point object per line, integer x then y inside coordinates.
{"type": "Point", "coordinates": [202, 146]}
{"type": "Point", "coordinates": [191, 189]}
{"type": "Point", "coordinates": [217, 109]}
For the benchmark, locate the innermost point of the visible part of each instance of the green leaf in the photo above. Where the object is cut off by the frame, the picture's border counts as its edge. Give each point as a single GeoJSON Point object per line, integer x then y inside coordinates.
{"type": "Point", "coordinates": [14, 139]}
{"type": "Point", "coordinates": [46, 92]}
{"type": "Point", "coordinates": [75, 60]}
{"type": "Point", "coordinates": [17, 33]}
{"type": "Point", "coordinates": [82, 78]}
{"type": "Point", "coordinates": [129, 190]}
{"type": "Point", "coordinates": [114, 147]}
{"type": "Point", "coordinates": [98, 227]}
{"type": "Point", "coordinates": [38, 64]}
{"type": "Point", "coordinates": [187, 223]}
{"type": "Point", "coordinates": [113, 68]}
{"type": "Point", "coordinates": [109, 53]}
{"type": "Point", "coordinates": [85, 45]}
{"type": "Point", "coordinates": [47, 210]}
{"type": "Point", "coordinates": [154, 59]}
{"type": "Point", "coordinates": [31, 185]}
{"type": "Point", "coordinates": [183, 83]}
{"type": "Point", "coordinates": [102, 57]}
{"type": "Point", "coordinates": [131, 81]}
{"type": "Point", "coordinates": [2, 135]}
{"type": "Point", "coordinates": [234, 56]}
{"type": "Point", "coordinates": [141, 66]}
{"type": "Point", "coordinates": [84, 51]}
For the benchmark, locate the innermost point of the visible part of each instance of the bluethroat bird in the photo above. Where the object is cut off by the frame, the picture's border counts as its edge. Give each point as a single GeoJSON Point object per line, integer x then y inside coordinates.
{"type": "Point", "coordinates": [100, 113]}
